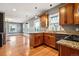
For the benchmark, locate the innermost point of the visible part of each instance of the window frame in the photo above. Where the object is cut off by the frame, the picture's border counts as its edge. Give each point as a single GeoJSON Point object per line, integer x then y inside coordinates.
{"type": "Point", "coordinates": [51, 22]}
{"type": "Point", "coordinates": [38, 26]}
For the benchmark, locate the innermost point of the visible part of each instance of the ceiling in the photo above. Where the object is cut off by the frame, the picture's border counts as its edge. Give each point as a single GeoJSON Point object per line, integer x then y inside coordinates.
{"type": "Point", "coordinates": [20, 12]}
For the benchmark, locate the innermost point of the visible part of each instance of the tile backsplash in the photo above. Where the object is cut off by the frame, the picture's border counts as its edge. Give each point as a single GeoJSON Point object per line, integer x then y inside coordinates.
{"type": "Point", "coordinates": [71, 28]}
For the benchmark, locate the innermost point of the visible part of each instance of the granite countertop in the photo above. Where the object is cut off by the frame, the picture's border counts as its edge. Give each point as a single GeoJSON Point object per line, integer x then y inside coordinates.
{"type": "Point", "coordinates": [72, 44]}
{"type": "Point", "coordinates": [56, 32]}
{"type": "Point", "coordinates": [62, 32]}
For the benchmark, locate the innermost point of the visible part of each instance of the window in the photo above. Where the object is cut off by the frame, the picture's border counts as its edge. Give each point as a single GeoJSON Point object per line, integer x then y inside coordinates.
{"type": "Point", "coordinates": [37, 25]}
{"type": "Point", "coordinates": [54, 22]}
{"type": "Point", "coordinates": [12, 28]}
{"type": "Point", "coordinates": [25, 28]}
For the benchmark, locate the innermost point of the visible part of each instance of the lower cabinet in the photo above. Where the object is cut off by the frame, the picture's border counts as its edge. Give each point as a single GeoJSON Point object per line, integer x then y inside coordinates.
{"type": "Point", "coordinates": [46, 37]}
{"type": "Point", "coordinates": [67, 51]}
{"type": "Point", "coordinates": [36, 39]}
{"type": "Point", "coordinates": [49, 39]}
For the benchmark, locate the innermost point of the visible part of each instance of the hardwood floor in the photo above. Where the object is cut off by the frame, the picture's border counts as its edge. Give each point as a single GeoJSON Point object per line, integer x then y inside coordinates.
{"type": "Point", "coordinates": [19, 46]}
{"type": "Point", "coordinates": [43, 51]}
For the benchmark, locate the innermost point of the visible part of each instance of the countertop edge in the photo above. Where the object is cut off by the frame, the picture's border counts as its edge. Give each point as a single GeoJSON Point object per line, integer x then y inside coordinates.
{"type": "Point", "coordinates": [58, 42]}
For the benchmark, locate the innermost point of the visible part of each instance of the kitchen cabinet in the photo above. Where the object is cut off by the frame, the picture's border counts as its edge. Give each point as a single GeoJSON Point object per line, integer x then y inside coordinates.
{"type": "Point", "coordinates": [69, 13]}
{"type": "Point", "coordinates": [44, 20]}
{"type": "Point", "coordinates": [67, 51]}
{"type": "Point", "coordinates": [62, 15]}
{"type": "Point", "coordinates": [46, 37]}
{"type": "Point", "coordinates": [59, 37]}
{"type": "Point", "coordinates": [49, 39]}
{"type": "Point", "coordinates": [66, 14]}
{"type": "Point", "coordinates": [31, 41]}
{"type": "Point", "coordinates": [36, 39]}
{"type": "Point", "coordinates": [76, 13]}
{"type": "Point", "coordinates": [52, 41]}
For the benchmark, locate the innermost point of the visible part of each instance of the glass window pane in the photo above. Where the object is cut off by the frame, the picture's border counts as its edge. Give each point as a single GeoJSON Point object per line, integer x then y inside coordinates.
{"type": "Point", "coordinates": [37, 25]}
{"type": "Point", "coordinates": [54, 23]}
{"type": "Point", "coordinates": [12, 28]}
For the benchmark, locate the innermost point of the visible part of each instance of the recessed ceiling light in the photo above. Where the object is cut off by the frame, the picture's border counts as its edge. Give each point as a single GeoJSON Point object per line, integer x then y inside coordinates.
{"type": "Point", "coordinates": [50, 5]}
{"type": "Point", "coordinates": [26, 23]}
{"type": "Point", "coordinates": [13, 9]}
{"type": "Point", "coordinates": [35, 7]}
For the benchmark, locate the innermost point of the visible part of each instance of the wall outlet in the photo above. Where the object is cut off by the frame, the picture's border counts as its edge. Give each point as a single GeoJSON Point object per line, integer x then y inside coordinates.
{"type": "Point", "coordinates": [77, 29]}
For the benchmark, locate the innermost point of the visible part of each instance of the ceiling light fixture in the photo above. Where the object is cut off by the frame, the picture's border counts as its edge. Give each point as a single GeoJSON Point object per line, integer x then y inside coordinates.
{"type": "Point", "coordinates": [50, 5]}
{"type": "Point", "coordinates": [13, 9]}
{"type": "Point", "coordinates": [35, 7]}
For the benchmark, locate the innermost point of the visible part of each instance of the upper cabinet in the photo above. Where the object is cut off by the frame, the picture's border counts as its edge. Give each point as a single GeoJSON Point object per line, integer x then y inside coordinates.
{"type": "Point", "coordinates": [69, 13]}
{"type": "Point", "coordinates": [76, 13]}
{"type": "Point", "coordinates": [44, 20]}
{"type": "Point", "coordinates": [62, 15]}
{"type": "Point", "coordinates": [66, 14]}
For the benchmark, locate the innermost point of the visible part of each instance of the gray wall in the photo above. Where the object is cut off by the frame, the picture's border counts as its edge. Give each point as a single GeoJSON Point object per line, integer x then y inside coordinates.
{"type": "Point", "coordinates": [67, 28]}
{"type": "Point", "coordinates": [71, 28]}
{"type": "Point", "coordinates": [31, 25]}
{"type": "Point", "coordinates": [50, 12]}
{"type": "Point", "coordinates": [19, 29]}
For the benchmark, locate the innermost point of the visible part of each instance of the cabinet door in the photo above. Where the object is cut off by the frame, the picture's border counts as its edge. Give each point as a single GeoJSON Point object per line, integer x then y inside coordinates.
{"type": "Point", "coordinates": [31, 40]}
{"type": "Point", "coordinates": [70, 13]}
{"type": "Point", "coordinates": [46, 38]}
{"type": "Point", "coordinates": [62, 15]}
{"type": "Point", "coordinates": [68, 51]}
{"type": "Point", "coordinates": [44, 20]}
{"type": "Point", "coordinates": [38, 40]}
{"type": "Point", "coordinates": [41, 39]}
{"type": "Point", "coordinates": [76, 13]}
{"type": "Point", "coordinates": [52, 41]}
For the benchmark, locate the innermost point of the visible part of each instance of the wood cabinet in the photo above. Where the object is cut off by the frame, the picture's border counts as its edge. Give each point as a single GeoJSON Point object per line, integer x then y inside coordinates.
{"type": "Point", "coordinates": [66, 14]}
{"type": "Point", "coordinates": [49, 39]}
{"type": "Point", "coordinates": [67, 51]}
{"type": "Point", "coordinates": [44, 20]}
{"type": "Point", "coordinates": [46, 37]}
{"type": "Point", "coordinates": [62, 15]}
{"type": "Point", "coordinates": [76, 13]}
{"type": "Point", "coordinates": [31, 41]}
{"type": "Point", "coordinates": [36, 39]}
{"type": "Point", "coordinates": [69, 13]}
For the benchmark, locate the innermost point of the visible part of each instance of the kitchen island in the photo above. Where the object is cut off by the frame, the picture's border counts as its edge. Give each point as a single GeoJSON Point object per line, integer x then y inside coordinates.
{"type": "Point", "coordinates": [68, 48]}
